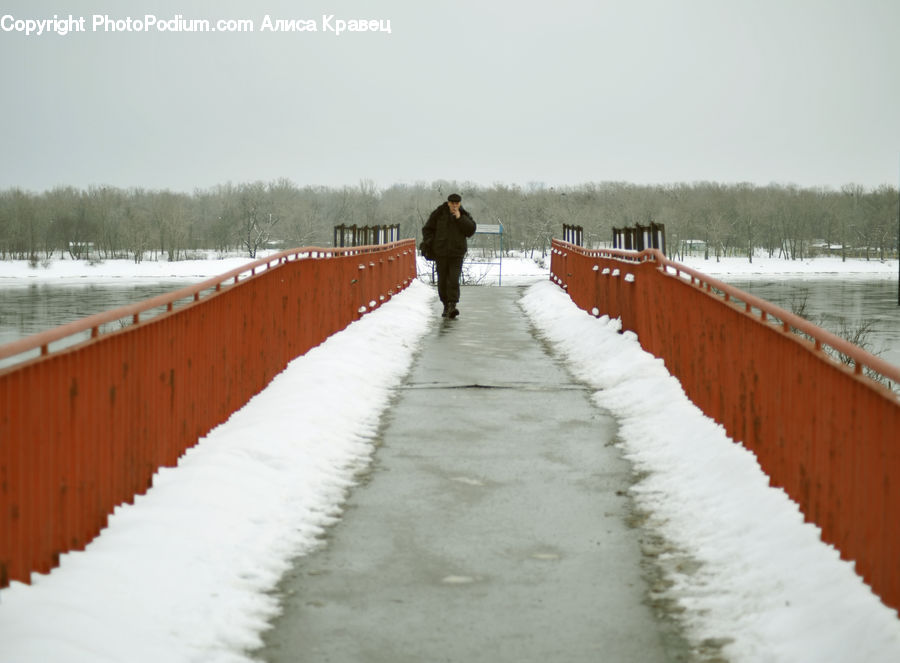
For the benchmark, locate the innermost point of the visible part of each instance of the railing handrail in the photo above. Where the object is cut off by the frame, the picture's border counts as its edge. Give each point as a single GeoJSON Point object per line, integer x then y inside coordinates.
{"type": "Point", "coordinates": [92, 323]}
{"type": "Point", "coordinates": [821, 337]}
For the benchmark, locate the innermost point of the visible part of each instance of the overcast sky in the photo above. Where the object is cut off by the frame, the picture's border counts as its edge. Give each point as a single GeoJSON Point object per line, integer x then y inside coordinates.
{"type": "Point", "coordinates": [564, 92]}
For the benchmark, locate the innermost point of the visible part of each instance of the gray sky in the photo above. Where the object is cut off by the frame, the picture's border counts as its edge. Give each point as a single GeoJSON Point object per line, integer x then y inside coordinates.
{"type": "Point", "coordinates": [564, 92]}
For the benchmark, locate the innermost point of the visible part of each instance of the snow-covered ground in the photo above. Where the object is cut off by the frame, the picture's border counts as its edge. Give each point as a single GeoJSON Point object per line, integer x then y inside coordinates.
{"type": "Point", "coordinates": [512, 270]}
{"type": "Point", "coordinates": [183, 574]}
{"type": "Point", "coordinates": [823, 267]}
{"type": "Point", "coordinates": [121, 270]}
{"type": "Point", "coordinates": [487, 271]}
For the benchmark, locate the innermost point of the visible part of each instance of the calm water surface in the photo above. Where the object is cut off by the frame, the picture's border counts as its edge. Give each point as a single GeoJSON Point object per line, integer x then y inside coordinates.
{"type": "Point", "coordinates": [834, 304]}
{"type": "Point", "coordinates": [29, 308]}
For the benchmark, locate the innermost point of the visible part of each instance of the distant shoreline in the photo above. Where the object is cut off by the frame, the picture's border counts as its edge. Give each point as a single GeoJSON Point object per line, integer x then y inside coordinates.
{"type": "Point", "coordinates": [120, 270]}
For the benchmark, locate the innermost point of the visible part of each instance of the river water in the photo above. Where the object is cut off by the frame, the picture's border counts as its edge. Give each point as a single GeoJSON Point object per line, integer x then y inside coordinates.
{"type": "Point", "coordinates": [831, 303]}
{"type": "Point", "coordinates": [30, 308]}
{"type": "Point", "coordinates": [837, 305]}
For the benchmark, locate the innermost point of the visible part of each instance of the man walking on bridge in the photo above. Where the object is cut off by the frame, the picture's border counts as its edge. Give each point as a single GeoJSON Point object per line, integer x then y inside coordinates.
{"type": "Point", "coordinates": [446, 231]}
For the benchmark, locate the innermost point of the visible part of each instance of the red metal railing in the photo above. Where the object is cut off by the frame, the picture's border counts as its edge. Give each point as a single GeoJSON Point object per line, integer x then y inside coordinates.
{"type": "Point", "coordinates": [825, 432]}
{"type": "Point", "coordinates": [85, 427]}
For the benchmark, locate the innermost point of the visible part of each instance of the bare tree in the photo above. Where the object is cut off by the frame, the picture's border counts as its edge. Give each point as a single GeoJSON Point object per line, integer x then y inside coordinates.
{"type": "Point", "coordinates": [253, 217]}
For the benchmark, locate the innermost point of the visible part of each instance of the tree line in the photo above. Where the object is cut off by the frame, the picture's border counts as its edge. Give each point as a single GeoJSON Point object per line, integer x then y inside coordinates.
{"type": "Point", "coordinates": [785, 221]}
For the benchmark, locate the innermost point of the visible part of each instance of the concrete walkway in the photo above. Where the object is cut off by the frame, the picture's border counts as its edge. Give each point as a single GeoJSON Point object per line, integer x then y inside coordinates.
{"type": "Point", "coordinates": [492, 526]}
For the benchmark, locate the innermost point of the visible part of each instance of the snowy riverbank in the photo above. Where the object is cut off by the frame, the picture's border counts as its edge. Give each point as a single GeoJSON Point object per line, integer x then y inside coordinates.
{"type": "Point", "coordinates": [515, 269]}
{"type": "Point", "coordinates": [823, 267]}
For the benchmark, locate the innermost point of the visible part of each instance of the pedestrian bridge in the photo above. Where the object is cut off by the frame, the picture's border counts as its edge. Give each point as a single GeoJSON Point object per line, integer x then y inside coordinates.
{"type": "Point", "coordinates": [84, 427]}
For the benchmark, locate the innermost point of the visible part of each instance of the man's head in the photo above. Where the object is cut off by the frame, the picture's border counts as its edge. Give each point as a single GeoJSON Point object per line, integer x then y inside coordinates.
{"type": "Point", "coordinates": [454, 200]}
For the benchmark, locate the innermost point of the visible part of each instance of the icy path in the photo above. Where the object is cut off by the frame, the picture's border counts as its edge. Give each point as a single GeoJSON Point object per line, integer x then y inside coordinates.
{"type": "Point", "coordinates": [494, 525]}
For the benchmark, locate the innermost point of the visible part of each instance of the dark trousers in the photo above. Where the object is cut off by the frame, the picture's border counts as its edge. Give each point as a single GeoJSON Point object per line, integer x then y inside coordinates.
{"type": "Point", "coordinates": [448, 273]}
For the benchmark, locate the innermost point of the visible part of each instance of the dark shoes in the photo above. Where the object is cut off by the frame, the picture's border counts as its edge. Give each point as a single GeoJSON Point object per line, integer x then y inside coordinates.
{"type": "Point", "coordinates": [446, 310]}
{"type": "Point", "coordinates": [450, 310]}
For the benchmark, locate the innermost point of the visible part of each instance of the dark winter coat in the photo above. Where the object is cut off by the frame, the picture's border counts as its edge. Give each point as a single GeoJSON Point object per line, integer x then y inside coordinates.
{"type": "Point", "coordinates": [446, 234]}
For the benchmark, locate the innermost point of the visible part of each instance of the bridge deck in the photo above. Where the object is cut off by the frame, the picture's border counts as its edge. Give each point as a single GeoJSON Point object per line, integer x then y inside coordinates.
{"type": "Point", "coordinates": [492, 526]}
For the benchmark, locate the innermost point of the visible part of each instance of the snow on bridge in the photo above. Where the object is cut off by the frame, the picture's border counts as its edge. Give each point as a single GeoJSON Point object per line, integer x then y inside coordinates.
{"type": "Point", "coordinates": [188, 571]}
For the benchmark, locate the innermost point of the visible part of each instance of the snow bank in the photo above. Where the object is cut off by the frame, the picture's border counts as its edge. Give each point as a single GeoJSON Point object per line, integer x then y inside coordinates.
{"type": "Point", "coordinates": [822, 267]}
{"type": "Point", "coordinates": [116, 270]}
{"type": "Point", "coordinates": [749, 573]}
{"type": "Point", "coordinates": [183, 574]}
{"type": "Point", "coordinates": [517, 269]}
